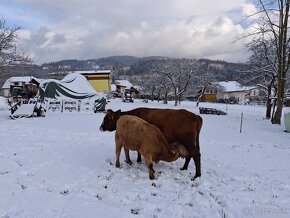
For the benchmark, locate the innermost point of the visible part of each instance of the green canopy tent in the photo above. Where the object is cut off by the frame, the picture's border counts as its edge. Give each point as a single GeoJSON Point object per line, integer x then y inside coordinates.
{"type": "Point", "coordinates": [73, 86]}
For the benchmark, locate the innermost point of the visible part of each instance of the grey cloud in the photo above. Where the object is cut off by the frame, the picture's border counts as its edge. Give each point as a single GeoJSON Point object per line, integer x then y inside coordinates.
{"type": "Point", "coordinates": [92, 28]}
{"type": "Point", "coordinates": [58, 39]}
{"type": "Point", "coordinates": [38, 37]}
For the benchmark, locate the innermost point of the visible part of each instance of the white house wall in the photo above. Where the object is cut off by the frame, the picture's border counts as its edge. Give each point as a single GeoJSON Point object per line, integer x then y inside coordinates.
{"type": "Point", "coordinates": [240, 96]}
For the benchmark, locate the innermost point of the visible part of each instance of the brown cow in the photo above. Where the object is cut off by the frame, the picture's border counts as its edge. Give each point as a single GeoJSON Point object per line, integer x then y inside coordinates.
{"type": "Point", "coordinates": [137, 135]}
{"type": "Point", "coordinates": [179, 126]}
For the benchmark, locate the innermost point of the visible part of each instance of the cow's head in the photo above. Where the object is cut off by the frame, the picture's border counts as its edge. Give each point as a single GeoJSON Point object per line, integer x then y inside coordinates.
{"type": "Point", "coordinates": [110, 120]}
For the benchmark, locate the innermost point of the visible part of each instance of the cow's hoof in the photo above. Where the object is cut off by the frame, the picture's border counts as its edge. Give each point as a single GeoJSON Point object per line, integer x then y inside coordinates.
{"type": "Point", "coordinates": [196, 176]}
{"type": "Point", "coordinates": [129, 162]}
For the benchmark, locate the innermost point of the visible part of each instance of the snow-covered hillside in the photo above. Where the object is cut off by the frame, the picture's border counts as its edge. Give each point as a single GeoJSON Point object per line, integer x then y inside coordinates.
{"type": "Point", "coordinates": [61, 165]}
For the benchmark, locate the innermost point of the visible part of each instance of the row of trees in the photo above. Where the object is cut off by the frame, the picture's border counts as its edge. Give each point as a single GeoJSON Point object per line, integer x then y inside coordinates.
{"type": "Point", "coordinates": [175, 76]}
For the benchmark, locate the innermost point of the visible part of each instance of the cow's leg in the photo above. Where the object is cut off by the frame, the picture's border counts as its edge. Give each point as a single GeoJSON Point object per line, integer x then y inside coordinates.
{"type": "Point", "coordinates": [196, 158]}
{"type": "Point", "coordinates": [187, 160]}
{"type": "Point", "coordinates": [195, 154]}
{"type": "Point", "coordinates": [149, 164]}
{"type": "Point", "coordinates": [118, 150]}
{"type": "Point", "coordinates": [128, 160]}
{"type": "Point", "coordinates": [139, 158]}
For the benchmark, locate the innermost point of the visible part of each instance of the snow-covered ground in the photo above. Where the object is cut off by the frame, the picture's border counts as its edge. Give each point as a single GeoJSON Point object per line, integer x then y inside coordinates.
{"type": "Point", "coordinates": [61, 165]}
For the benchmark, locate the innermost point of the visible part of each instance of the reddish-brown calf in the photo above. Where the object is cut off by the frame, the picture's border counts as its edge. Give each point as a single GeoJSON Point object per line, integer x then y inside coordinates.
{"type": "Point", "coordinates": [137, 135]}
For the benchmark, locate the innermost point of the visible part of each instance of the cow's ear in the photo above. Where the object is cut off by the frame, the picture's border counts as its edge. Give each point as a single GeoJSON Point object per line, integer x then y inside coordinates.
{"type": "Point", "coordinates": [118, 112]}
{"type": "Point", "coordinates": [109, 111]}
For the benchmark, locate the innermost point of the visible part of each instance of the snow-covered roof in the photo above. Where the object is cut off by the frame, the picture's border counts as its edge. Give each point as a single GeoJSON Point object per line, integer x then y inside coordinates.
{"type": "Point", "coordinates": [14, 79]}
{"type": "Point", "coordinates": [233, 86]}
{"type": "Point", "coordinates": [92, 71]}
{"type": "Point", "coordinates": [124, 83]}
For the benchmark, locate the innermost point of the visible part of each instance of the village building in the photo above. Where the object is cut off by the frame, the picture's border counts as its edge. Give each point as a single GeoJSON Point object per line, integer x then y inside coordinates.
{"type": "Point", "coordinates": [209, 94]}
{"type": "Point", "coordinates": [100, 80]}
{"type": "Point", "coordinates": [257, 94]}
{"type": "Point", "coordinates": [123, 86]}
{"type": "Point", "coordinates": [234, 92]}
{"type": "Point", "coordinates": [24, 87]}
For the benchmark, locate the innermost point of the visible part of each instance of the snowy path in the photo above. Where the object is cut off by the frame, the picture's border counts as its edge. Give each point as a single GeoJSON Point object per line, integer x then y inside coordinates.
{"type": "Point", "coordinates": [63, 166]}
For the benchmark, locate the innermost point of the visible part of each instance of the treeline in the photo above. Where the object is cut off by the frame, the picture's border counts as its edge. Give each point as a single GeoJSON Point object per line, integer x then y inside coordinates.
{"type": "Point", "coordinates": [220, 70]}
{"type": "Point", "coordinates": [122, 67]}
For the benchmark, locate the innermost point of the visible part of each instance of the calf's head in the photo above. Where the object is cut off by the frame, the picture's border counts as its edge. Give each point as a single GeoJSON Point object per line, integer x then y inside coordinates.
{"type": "Point", "coordinates": [177, 148]}
{"type": "Point", "coordinates": [110, 120]}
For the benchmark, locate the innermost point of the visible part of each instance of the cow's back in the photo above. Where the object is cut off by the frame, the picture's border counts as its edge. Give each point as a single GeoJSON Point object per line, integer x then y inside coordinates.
{"type": "Point", "coordinates": [174, 124]}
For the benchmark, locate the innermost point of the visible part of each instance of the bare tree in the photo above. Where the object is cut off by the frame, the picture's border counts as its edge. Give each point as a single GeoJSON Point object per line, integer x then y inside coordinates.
{"type": "Point", "coordinates": [204, 78]}
{"type": "Point", "coordinates": [177, 73]}
{"type": "Point", "coordinates": [263, 66]}
{"type": "Point", "coordinates": [273, 32]}
{"type": "Point", "coordinates": [9, 56]}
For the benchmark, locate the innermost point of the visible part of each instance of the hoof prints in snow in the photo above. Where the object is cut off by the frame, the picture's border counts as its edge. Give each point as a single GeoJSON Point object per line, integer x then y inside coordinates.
{"type": "Point", "coordinates": [62, 166]}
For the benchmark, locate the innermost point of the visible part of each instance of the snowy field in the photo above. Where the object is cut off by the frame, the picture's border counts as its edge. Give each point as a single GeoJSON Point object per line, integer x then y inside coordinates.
{"type": "Point", "coordinates": [63, 166]}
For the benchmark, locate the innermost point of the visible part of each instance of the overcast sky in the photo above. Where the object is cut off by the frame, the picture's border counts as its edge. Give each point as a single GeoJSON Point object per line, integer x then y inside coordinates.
{"type": "Point", "coordinates": [82, 29]}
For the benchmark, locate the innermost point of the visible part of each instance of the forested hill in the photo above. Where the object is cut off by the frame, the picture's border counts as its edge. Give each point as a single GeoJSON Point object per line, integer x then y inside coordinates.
{"type": "Point", "coordinates": [221, 70]}
{"type": "Point", "coordinates": [120, 66]}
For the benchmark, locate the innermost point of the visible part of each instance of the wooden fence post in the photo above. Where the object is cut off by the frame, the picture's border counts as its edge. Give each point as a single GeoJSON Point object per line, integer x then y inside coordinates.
{"type": "Point", "coordinates": [241, 126]}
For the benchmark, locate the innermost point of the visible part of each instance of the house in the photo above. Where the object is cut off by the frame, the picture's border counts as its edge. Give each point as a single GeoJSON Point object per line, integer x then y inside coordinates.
{"type": "Point", "coordinates": [100, 80]}
{"type": "Point", "coordinates": [234, 92]}
{"type": "Point", "coordinates": [231, 91]}
{"type": "Point", "coordinates": [209, 95]}
{"type": "Point", "coordinates": [25, 87]}
{"type": "Point", "coordinates": [122, 85]}
{"type": "Point", "coordinates": [257, 94]}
